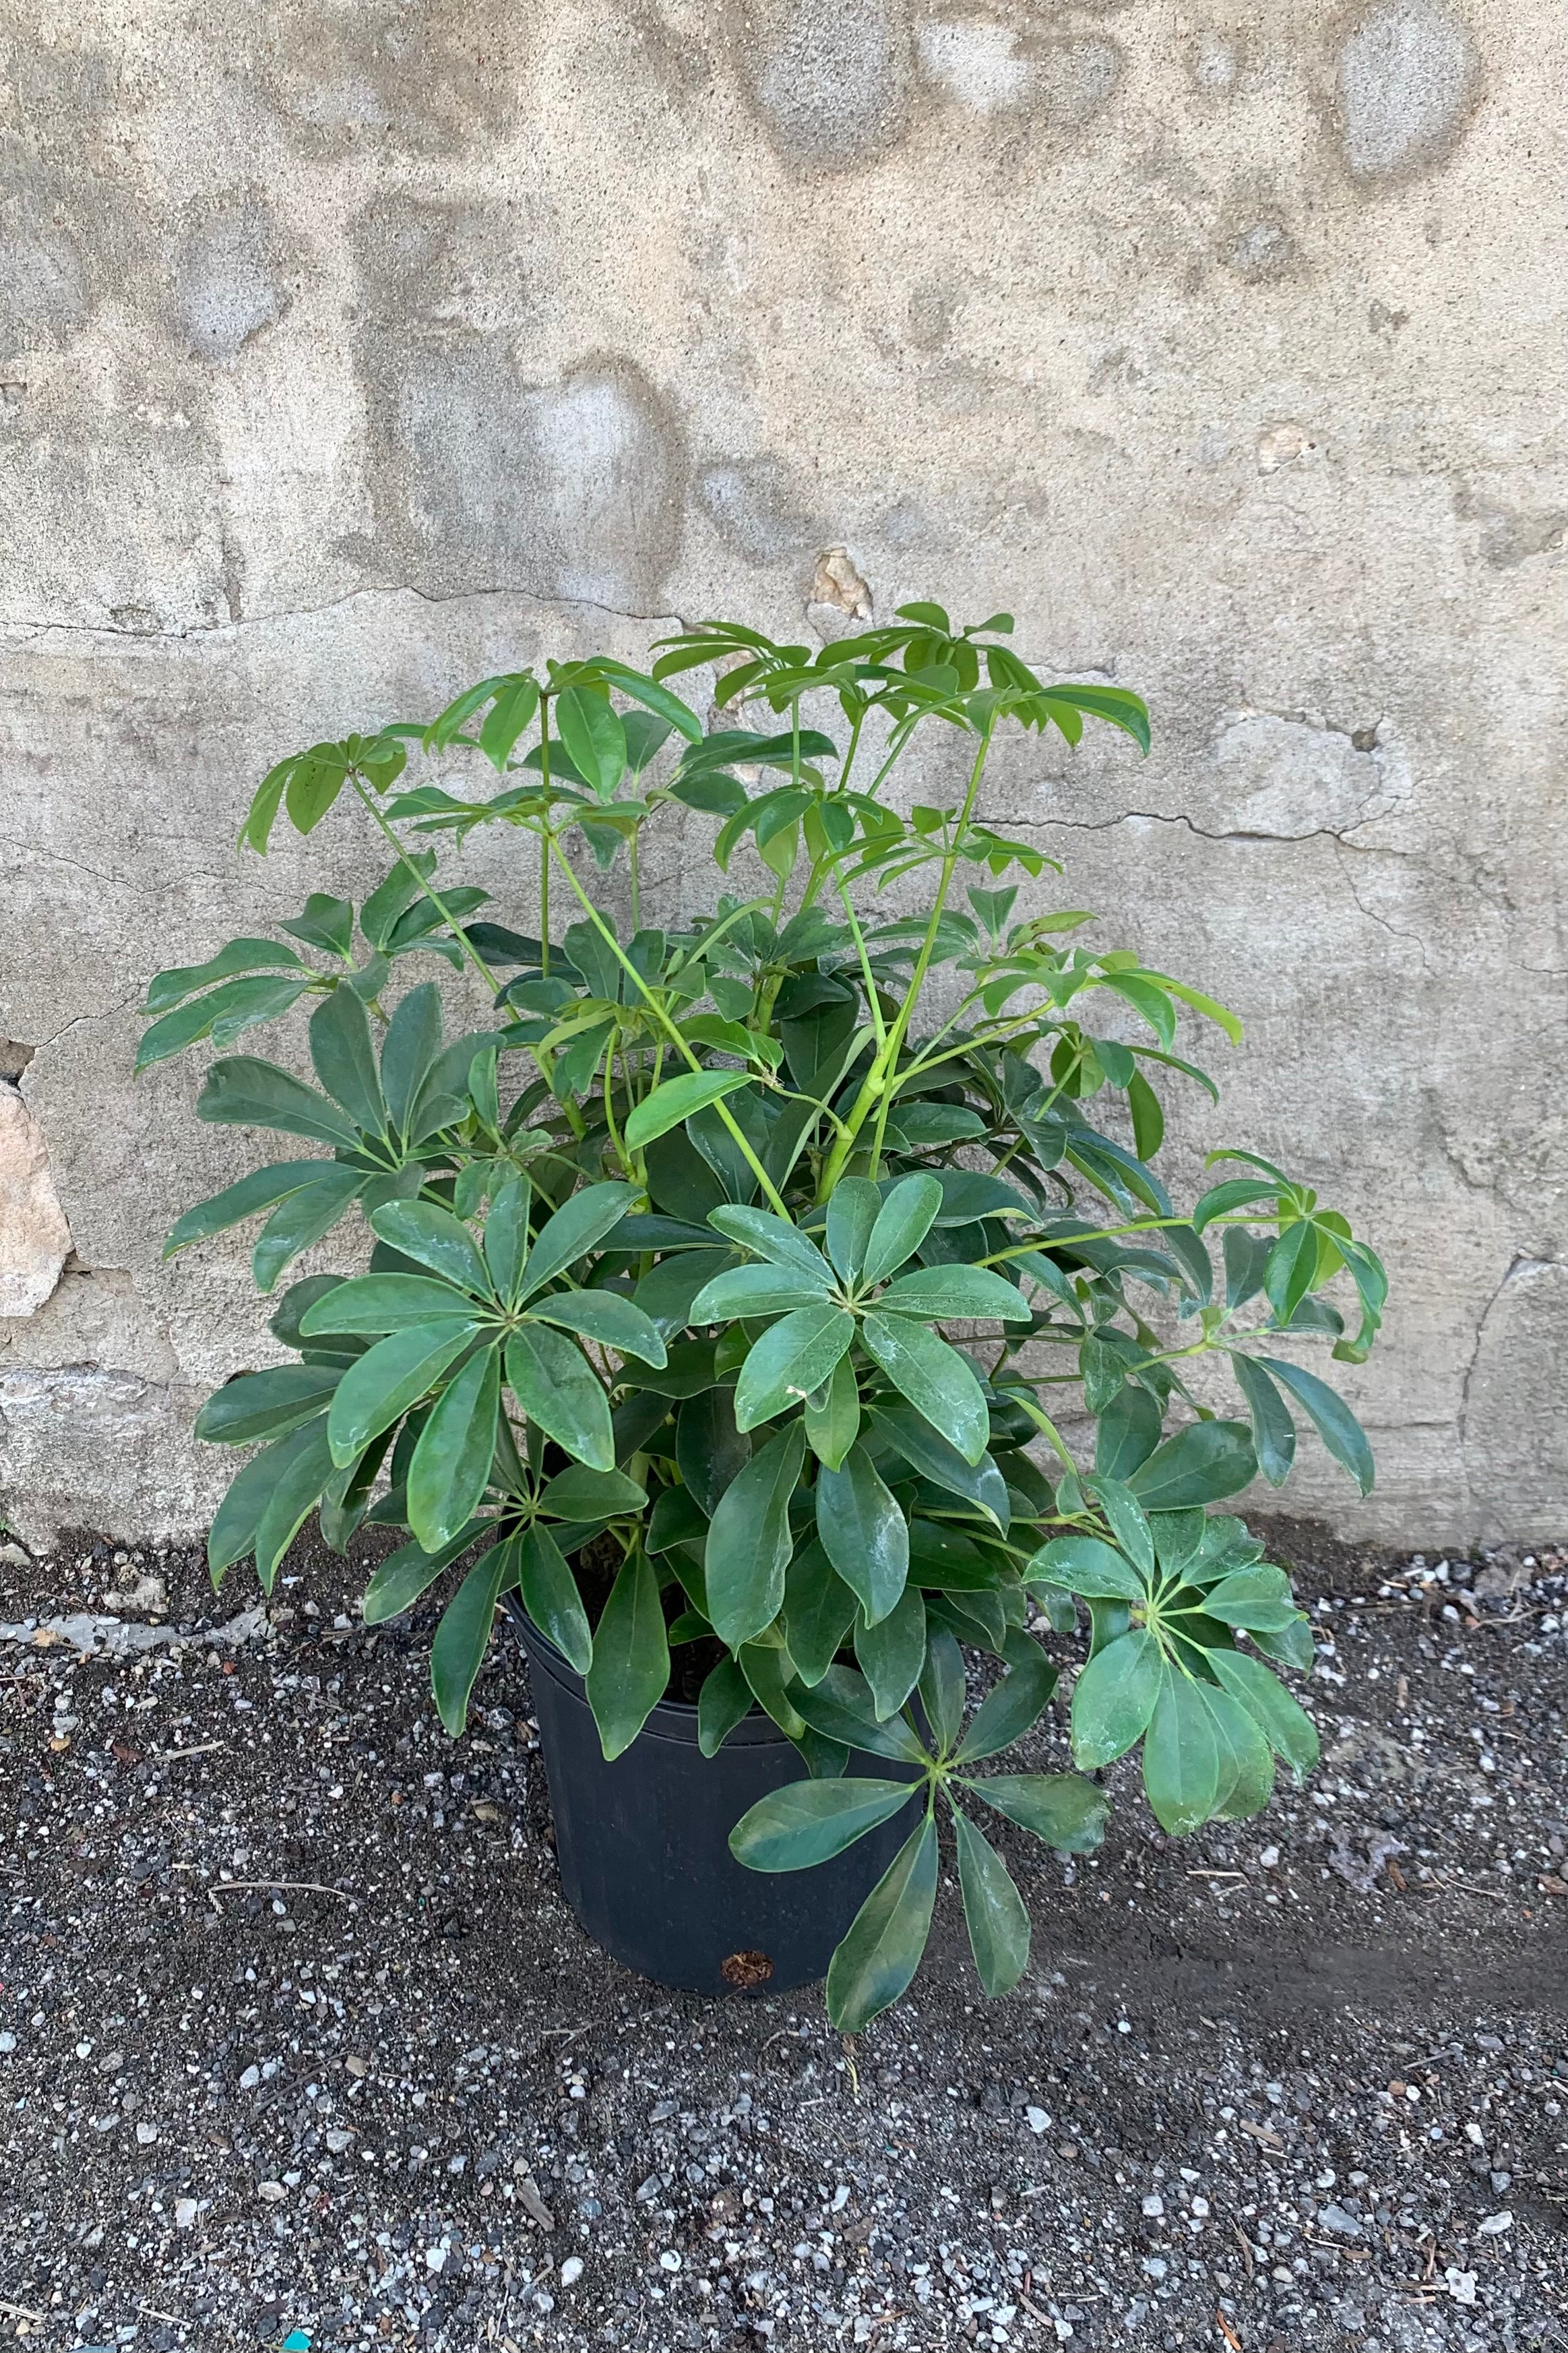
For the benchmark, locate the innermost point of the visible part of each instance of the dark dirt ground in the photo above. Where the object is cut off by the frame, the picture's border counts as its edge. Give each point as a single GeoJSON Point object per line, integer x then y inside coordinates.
{"type": "Point", "coordinates": [1294, 2084]}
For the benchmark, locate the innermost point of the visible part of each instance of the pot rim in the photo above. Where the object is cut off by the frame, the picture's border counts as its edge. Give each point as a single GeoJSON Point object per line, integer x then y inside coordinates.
{"type": "Point", "coordinates": [755, 1729]}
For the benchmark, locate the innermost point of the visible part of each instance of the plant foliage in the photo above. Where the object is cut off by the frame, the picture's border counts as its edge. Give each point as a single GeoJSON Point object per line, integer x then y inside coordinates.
{"type": "Point", "coordinates": [731, 1287]}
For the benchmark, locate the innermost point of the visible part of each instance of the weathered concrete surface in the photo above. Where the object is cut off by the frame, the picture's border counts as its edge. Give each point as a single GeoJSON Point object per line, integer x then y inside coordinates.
{"type": "Point", "coordinates": [346, 351]}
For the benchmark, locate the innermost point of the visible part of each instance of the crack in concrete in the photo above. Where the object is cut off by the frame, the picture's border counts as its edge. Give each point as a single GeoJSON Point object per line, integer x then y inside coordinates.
{"type": "Point", "coordinates": [145, 889]}
{"type": "Point", "coordinates": [1519, 1266]}
{"type": "Point", "coordinates": [103, 1013]}
{"type": "Point", "coordinates": [1160, 817]}
{"type": "Point", "coordinates": [1394, 930]}
{"type": "Point", "coordinates": [23, 629]}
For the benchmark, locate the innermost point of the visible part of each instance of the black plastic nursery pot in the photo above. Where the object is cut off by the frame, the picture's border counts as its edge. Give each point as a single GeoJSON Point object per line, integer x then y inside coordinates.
{"type": "Point", "coordinates": [643, 1844]}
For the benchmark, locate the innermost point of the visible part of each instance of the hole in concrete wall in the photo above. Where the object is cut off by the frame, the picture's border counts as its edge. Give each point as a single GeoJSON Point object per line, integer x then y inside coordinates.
{"type": "Point", "coordinates": [13, 1059]}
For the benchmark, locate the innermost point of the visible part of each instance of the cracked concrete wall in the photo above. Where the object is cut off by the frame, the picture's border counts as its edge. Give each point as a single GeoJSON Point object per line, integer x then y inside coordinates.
{"type": "Point", "coordinates": [347, 351]}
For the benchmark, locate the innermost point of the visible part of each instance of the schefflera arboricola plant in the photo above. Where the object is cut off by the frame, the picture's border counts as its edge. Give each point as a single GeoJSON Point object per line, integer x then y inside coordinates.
{"type": "Point", "coordinates": [732, 1286]}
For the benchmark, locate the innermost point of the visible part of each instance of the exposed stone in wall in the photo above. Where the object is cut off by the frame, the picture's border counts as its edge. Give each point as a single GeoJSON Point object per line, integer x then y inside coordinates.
{"type": "Point", "coordinates": [347, 353]}
{"type": "Point", "coordinates": [34, 1236]}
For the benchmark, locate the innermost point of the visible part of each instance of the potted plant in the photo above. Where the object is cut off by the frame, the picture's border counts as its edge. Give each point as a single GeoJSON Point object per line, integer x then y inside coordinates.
{"type": "Point", "coordinates": [726, 1294]}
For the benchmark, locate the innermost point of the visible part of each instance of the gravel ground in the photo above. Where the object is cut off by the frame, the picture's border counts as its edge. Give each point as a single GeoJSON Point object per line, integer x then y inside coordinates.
{"type": "Point", "coordinates": [299, 2044]}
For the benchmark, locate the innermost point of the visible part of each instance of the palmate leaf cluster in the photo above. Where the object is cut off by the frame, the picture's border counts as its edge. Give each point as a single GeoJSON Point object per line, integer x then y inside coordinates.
{"type": "Point", "coordinates": [733, 1286]}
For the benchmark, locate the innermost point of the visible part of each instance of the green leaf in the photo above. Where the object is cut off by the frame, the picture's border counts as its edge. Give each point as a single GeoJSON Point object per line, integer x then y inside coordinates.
{"type": "Point", "coordinates": [550, 1594]}
{"type": "Point", "coordinates": [905, 1219]}
{"type": "Point", "coordinates": [1233, 1193]}
{"type": "Point", "coordinates": [383, 1303]}
{"type": "Point", "coordinates": [451, 1465]}
{"type": "Point", "coordinates": [1246, 1256]}
{"type": "Point", "coordinates": [1288, 1728]}
{"type": "Point", "coordinates": [405, 1574]}
{"type": "Point", "coordinates": [238, 1517]}
{"type": "Point", "coordinates": [766, 1671]}
{"type": "Point", "coordinates": [345, 1499]}
{"type": "Point", "coordinates": [631, 1657]}
{"type": "Point", "coordinates": [892, 1653]}
{"type": "Point", "coordinates": [1334, 1422]}
{"type": "Point", "coordinates": [223, 1016]}
{"type": "Point", "coordinates": [573, 1232]}
{"type": "Point", "coordinates": [993, 1910]}
{"type": "Point", "coordinates": [1246, 1760]}
{"type": "Point", "coordinates": [380, 1387]}
{"type": "Point", "coordinates": [595, 738]}
{"type": "Point", "coordinates": [792, 1359]}
{"type": "Point", "coordinates": [408, 1051]}
{"type": "Point", "coordinates": [344, 1060]}
{"type": "Point", "coordinates": [1148, 1119]}
{"type": "Point", "coordinates": [302, 1219]}
{"type": "Point", "coordinates": [577, 1494]}
{"type": "Point", "coordinates": [877, 1959]}
{"type": "Point", "coordinates": [723, 1701]}
{"type": "Point", "coordinates": [296, 1489]}
{"type": "Point", "coordinates": [1177, 1537]}
{"type": "Point", "coordinates": [833, 1416]}
{"type": "Point", "coordinates": [749, 1544]}
{"type": "Point", "coordinates": [259, 1190]}
{"type": "Point", "coordinates": [1293, 1646]}
{"type": "Point", "coordinates": [1014, 1707]}
{"type": "Point", "coordinates": [1291, 1268]}
{"type": "Point", "coordinates": [1180, 1757]}
{"type": "Point", "coordinates": [1113, 1699]}
{"type": "Point", "coordinates": [981, 1484]}
{"type": "Point", "coordinates": [557, 1391]}
{"type": "Point", "coordinates": [463, 1637]}
{"type": "Point", "coordinates": [243, 1092]}
{"type": "Point", "coordinates": [748, 1291]}
{"type": "Point", "coordinates": [1273, 1431]}
{"type": "Point", "coordinates": [265, 1405]}
{"type": "Point", "coordinates": [1117, 706]}
{"type": "Point", "coordinates": [606, 1317]}
{"type": "Point", "coordinates": [775, 1239]}
{"type": "Point", "coordinates": [972, 1292]}
{"type": "Point", "coordinates": [840, 1708]}
{"type": "Point", "coordinates": [505, 1243]}
{"type": "Point", "coordinates": [1128, 1525]}
{"type": "Point", "coordinates": [1067, 1811]}
{"type": "Point", "coordinates": [709, 1452]}
{"type": "Point", "coordinates": [1083, 1565]}
{"type": "Point", "coordinates": [505, 719]}
{"type": "Point", "coordinates": [942, 1687]}
{"type": "Point", "coordinates": [807, 1822]}
{"type": "Point", "coordinates": [939, 1382]}
{"type": "Point", "coordinates": [1258, 1598]}
{"type": "Point", "coordinates": [246, 955]}
{"type": "Point", "coordinates": [1201, 1464]}
{"type": "Point", "coordinates": [852, 1213]}
{"type": "Point", "coordinates": [864, 1533]}
{"type": "Point", "coordinates": [432, 1237]}
{"type": "Point", "coordinates": [326, 921]}
{"type": "Point", "coordinates": [819, 1609]}
{"type": "Point", "coordinates": [669, 1105]}
{"type": "Point", "coordinates": [656, 699]}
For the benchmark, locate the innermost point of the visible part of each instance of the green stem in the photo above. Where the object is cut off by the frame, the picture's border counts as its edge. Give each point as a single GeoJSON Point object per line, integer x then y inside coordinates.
{"type": "Point", "coordinates": [874, 1092]}
{"type": "Point", "coordinates": [675, 1039]}
{"type": "Point", "coordinates": [616, 1145]}
{"type": "Point", "coordinates": [1100, 1234]}
{"type": "Point", "coordinates": [430, 891]}
{"type": "Point", "coordinates": [545, 837]}
{"type": "Point", "coordinates": [873, 1000]}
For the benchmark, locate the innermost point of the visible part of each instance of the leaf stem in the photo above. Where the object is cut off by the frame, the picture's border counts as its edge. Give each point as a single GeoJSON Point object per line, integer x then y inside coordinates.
{"type": "Point", "coordinates": [669, 1027]}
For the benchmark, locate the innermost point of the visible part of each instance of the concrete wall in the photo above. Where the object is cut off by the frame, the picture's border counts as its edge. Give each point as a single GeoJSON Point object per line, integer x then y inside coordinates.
{"type": "Point", "coordinates": [349, 348]}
